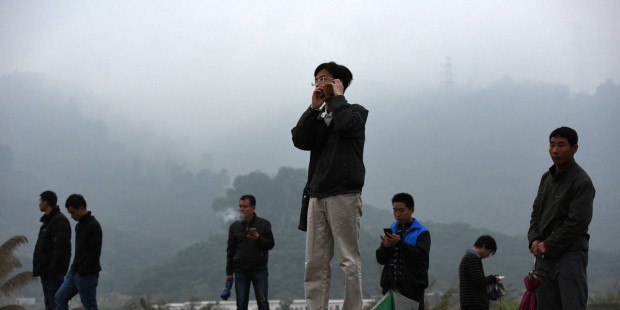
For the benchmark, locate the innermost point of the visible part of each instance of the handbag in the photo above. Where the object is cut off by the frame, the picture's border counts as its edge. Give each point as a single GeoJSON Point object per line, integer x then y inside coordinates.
{"type": "Point", "coordinates": [303, 214]}
{"type": "Point", "coordinates": [496, 291]}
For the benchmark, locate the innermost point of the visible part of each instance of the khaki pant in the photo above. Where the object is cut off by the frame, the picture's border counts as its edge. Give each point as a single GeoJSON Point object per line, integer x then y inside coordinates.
{"type": "Point", "coordinates": [333, 222]}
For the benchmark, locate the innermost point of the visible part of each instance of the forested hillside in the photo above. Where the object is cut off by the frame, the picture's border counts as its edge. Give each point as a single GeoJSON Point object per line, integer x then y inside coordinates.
{"type": "Point", "coordinates": [198, 272]}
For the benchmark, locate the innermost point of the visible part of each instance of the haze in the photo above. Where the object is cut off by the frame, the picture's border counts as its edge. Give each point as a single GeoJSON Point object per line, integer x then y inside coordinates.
{"type": "Point", "coordinates": [226, 81]}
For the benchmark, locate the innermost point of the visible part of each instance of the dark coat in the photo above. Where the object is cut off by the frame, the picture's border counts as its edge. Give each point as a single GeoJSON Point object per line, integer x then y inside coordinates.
{"type": "Point", "coordinates": [336, 151]}
{"type": "Point", "coordinates": [244, 254]}
{"type": "Point", "coordinates": [52, 251]}
{"type": "Point", "coordinates": [415, 263]}
{"type": "Point", "coordinates": [562, 210]}
{"type": "Point", "coordinates": [88, 241]}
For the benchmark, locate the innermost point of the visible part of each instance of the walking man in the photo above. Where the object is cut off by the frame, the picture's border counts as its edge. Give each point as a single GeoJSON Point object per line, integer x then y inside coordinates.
{"type": "Point", "coordinates": [83, 276]}
{"type": "Point", "coordinates": [52, 251]}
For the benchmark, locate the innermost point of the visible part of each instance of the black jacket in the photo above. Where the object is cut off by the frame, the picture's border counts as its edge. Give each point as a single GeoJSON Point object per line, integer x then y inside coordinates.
{"type": "Point", "coordinates": [52, 252]}
{"type": "Point", "coordinates": [562, 210]}
{"type": "Point", "coordinates": [414, 262]}
{"type": "Point", "coordinates": [244, 254]}
{"type": "Point", "coordinates": [88, 240]}
{"type": "Point", "coordinates": [336, 151]}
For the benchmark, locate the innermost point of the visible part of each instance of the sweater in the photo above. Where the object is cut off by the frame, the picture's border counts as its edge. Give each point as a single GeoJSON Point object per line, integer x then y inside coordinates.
{"type": "Point", "coordinates": [472, 281]}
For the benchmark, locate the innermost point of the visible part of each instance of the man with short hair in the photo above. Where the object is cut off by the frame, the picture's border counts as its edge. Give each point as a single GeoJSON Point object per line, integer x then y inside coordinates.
{"type": "Point", "coordinates": [247, 254]}
{"type": "Point", "coordinates": [473, 294]}
{"type": "Point", "coordinates": [404, 252]}
{"type": "Point", "coordinates": [333, 130]}
{"type": "Point", "coordinates": [558, 234]}
{"type": "Point", "coordinates": [52, 251]}
{"type": "Point", "coordinates": [83, 276]}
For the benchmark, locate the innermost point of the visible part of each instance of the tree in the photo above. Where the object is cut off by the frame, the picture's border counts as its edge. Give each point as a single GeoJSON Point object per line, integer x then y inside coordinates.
{"type": "Point", "coordinates": [8, 264]}
{"type": "Point", "coordinates": [278, 198]}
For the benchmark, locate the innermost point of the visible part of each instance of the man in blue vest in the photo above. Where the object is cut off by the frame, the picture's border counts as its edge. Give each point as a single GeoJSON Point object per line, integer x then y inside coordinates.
{"type": "Point", "coordinates": [404, 252]}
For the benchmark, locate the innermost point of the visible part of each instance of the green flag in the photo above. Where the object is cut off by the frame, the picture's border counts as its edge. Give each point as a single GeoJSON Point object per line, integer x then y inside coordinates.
{"type": "Point", "coordinates": [385, 303]}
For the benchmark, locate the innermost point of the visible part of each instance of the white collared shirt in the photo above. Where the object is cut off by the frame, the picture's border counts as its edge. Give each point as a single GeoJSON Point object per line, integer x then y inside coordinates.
{"type": "Point", "coordinates": [327, 117]}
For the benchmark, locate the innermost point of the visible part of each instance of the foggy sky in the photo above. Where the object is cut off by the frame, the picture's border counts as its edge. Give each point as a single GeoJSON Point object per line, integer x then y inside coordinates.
{"type": "Point", "coordinates": [215, 74]}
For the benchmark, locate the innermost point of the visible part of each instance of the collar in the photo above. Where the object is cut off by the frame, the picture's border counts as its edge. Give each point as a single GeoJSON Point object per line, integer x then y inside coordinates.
{"type": "Point", "coordinates": [473, 252]}
{"type": "Point", "coordinates": [564, 171]}
{"type": "Point", "coordinates": [84, 218]}
{"type": "Point", "coordinates": [252, 220]}
{"type": "Point", "coordinates": [46, 217]}
{"type": "Point", "coordinates": [327, 117]}
{"type": "Point", "coordinates": [405, 226]}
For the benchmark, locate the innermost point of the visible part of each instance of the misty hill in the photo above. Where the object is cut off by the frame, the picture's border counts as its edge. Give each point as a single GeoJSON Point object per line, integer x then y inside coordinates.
{"type": "Point", "coordinates": [47, 142]}
{"type": "Point", "coordinates": [197, 273]}
{"type": "Point", "coordinates": [471, 156]}
{"type": "Point", "coordinates": [476, 156]}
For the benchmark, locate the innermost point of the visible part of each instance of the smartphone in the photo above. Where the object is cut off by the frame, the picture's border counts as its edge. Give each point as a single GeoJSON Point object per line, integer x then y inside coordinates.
{"type": "Point", "coordinates": [328, 90]}
{"type": "Point", "coordinates": [387, 230]}
{"type": "Point", "coordinates": [252, 230]}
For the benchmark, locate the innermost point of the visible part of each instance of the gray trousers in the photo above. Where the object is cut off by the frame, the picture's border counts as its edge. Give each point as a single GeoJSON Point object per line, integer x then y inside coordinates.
{"type": "Point", "coordinates": [564, 281]}
{"type": "Point", "coordinates": [333, 222]}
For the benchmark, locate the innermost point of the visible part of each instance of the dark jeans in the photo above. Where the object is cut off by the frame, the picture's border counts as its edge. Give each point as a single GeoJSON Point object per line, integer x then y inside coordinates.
{"type": "Point", "coordinates": [258, 279]}
{"type": "Point", "coordinates": [50, 286]}
{"type": "Point", "coordinates": [74, 283]}
{"type": "Point", "coordinates": [563, 281]}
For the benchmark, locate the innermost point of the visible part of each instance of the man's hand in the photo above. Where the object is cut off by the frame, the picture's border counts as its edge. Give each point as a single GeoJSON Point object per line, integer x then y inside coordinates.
{"type": "Point", "coordinates": [389, 240]}
{"type": "Point", "coordinates": [542, 249]}
{"type": "Point", "coordinates": [229, 278]}
{"type": "Point", "coordinates": [338, 87]}
{"type": "Point", "coordinates": [254, 235]}
{"type": "Point", "coordinates": [535, 249]}
{"type": "Point", "coordinates": [318, 97]}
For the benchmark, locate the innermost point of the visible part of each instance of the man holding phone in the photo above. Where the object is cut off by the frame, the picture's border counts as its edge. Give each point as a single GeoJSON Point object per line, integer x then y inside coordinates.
{"type": "Point", "coordinates": [404, 252]}
{"type": "Point", "coordinates": [249, 242]}
{"type": "Point", "coordinates": [333, 130]}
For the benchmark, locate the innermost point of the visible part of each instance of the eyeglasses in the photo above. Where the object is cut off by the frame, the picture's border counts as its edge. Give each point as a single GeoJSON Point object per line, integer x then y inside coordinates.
{"type": "Point", "coordinates": [320, 80]}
